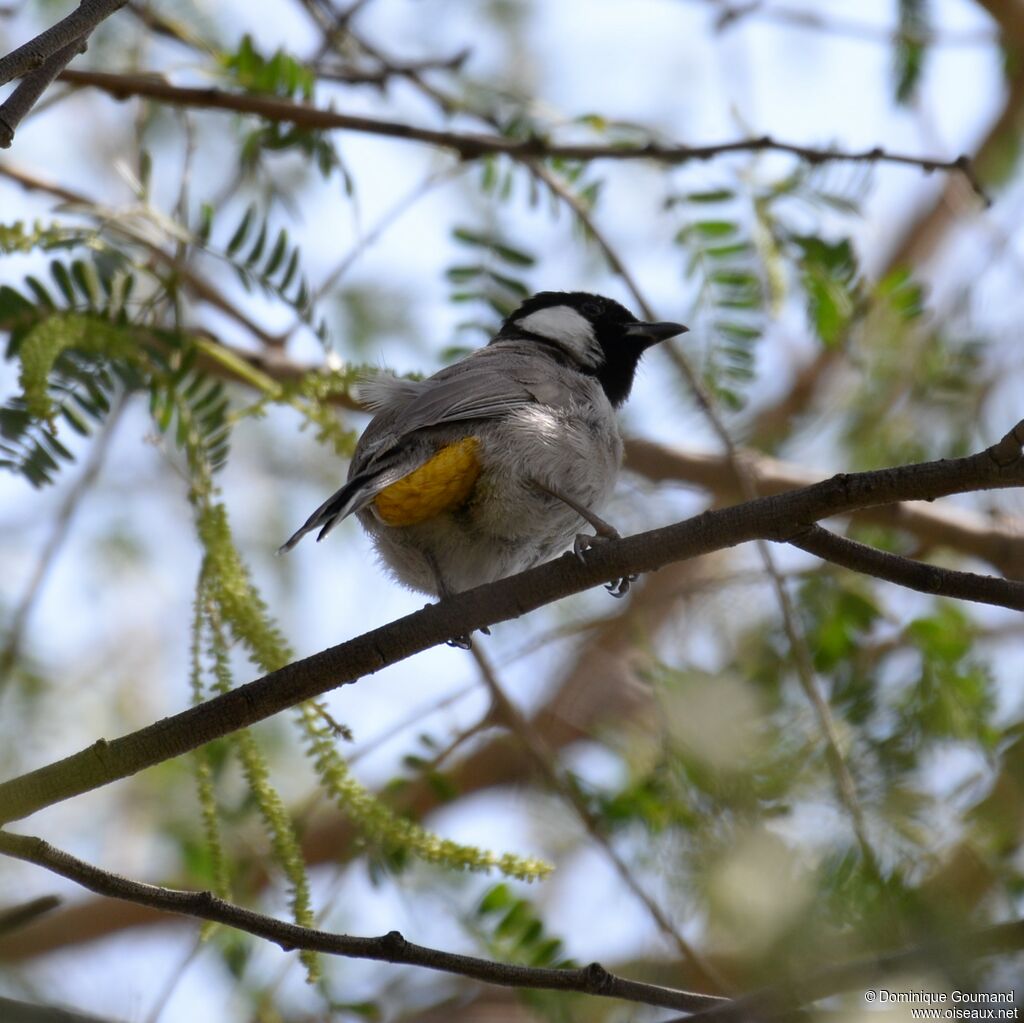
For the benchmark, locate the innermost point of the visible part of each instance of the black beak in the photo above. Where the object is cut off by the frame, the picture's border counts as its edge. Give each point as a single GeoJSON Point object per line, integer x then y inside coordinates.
{"type": "Point", "coordinates": [652, 333]}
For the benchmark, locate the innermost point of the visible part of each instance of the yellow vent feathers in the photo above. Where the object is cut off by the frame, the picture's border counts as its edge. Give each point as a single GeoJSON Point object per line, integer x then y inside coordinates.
{"type": "Point", "coordinates": [439, 485]}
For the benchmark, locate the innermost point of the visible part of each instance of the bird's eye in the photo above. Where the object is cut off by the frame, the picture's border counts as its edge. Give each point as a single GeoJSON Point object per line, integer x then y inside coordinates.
{"type": "Point", "coordinates": [591, 309]}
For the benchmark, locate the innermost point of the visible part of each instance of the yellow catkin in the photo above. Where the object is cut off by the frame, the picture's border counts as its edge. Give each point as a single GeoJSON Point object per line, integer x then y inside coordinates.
{"type": "Point", "coordinates": [438, 485]}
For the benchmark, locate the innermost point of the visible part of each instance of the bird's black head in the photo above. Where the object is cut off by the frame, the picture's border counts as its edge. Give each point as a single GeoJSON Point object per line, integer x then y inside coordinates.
{"type": "Point", "coordinates": [595, 334]}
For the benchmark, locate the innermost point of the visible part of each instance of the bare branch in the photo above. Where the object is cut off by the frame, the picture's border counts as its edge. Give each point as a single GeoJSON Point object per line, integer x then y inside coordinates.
{"type": "Point", "coordinates": [1000, 543]}
{"type": "Point", "coordinates": [729, 15]}
{"type": "Point", "coordinates": [382, 75]}
{"type": "Point", "coordinates": [942, 582]}
{"type": "Point", "coordinates": [473, 146]}
{"type": "Point", "coordinates": [31, 87]}
{"type": "Point", "coordinates": [12, 1011]}
{"type": "Point", "coordinates": [391, 947]}
{"type": "Point", "coordinates": [779, 518]}
{"type": "Point", "coordinates": [13, 918]}
{"type": "Point", "coordinates": [78, 25]}
{"type": "Point", "coordinates": [194, 281]}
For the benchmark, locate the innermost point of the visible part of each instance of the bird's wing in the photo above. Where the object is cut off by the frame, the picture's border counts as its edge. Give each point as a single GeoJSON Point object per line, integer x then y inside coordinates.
{"type": "Point", "coordinates": [382, 391]}
{"type": "Point", "coordinates": [490, 383]}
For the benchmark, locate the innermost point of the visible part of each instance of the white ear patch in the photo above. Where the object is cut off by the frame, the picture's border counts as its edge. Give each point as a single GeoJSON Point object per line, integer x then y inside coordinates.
{"type": "Point", "coordinates": [567, 328]}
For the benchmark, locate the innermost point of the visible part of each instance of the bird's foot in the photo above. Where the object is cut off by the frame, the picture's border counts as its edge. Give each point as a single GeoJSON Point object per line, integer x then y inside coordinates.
{"type": "Point", "coordinates": [585, 541]}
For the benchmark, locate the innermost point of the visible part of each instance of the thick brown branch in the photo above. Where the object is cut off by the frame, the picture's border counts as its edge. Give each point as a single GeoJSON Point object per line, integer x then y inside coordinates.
{"type": "Point", "coordinates": [391, 947]}
{"type": "Point", "coordinates": [472, 145]}
{"type": "Point", "coordinates": [777, 518]}
{"type": "Point", "coordinates": [943, 582]}
{"type": "Point", "coordinates": [1001, 544]}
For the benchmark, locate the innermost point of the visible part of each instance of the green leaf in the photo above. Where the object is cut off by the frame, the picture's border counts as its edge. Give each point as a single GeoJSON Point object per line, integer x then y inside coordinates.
{"type": "Point", "coordinates": [257, 248]}
{"type": "Point", "coordinates": [277, 254]}
{"type": "Point", "coordinates": [87, 279]}
{"type": "Point", "coordinates": [517, 257]}
{"type": "Point", "coordinates": [713, 228]}
{"type": "Point", "coordinates": [60, 274]}
{"type": "Point", "coordinates": [242, 231]}
{"type": "Point", "coordinates": [205, 223]}
{"type": "Point", "coordinates": [910, 53]}
{"type": "Point", "coordinates": [497, 898]}
{"type": "Point", "coordinates": [711, 196]}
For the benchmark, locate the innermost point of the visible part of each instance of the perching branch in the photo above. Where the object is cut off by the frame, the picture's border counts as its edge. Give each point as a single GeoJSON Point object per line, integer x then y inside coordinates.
{"type": "Point", "coordinates": [1000, 543]}
{"type": "Point", "coordinates": [391, 947]}
{"type": "Point", "coordinates": [780, 518]}
{"type": "Point", "coordinates": [473, 145]}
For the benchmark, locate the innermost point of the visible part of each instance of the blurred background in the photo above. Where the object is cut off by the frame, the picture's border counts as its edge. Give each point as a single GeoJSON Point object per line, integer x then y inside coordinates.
{"type": "Point", "coordinates": [710, 825]}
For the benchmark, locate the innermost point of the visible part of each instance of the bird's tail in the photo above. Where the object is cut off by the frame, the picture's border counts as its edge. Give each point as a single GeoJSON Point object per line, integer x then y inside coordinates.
{"type": "Point", "coordinates": [350, 498]}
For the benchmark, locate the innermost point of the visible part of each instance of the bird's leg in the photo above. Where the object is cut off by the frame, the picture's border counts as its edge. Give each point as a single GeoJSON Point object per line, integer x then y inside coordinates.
{"type": "Point", "coordinates": [444, 591]}
{"type": "Point", "coordinates": [584, 541]}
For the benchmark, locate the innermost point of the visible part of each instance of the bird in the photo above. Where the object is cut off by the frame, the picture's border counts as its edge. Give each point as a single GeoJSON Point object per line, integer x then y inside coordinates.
{"type": "Point", "coordinates": [497, 462]}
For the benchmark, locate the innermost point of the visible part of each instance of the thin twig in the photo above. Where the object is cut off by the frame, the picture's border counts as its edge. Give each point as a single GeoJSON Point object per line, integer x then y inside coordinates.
{"type": "Point", "coordinates": [506, 711]}
{"type": "Point", "coordinates": [196, 283]}
{"type": "Point", "coordinates": [58, 535]}
{"type": "Point", "coordinates": [175, 978]}
{"type": "Point", "coordinates": [729, 15]}
{"type": "Point", "coordinates": [15, 1011]}
{"type": "Point", "coordinates": [391, 947]}
{"type": "Point", "coordinates": [13, 918]}
{"type": "Point", "coordinates": [473, 146]}
{"type": "Point", "coordinates": [387, 219]}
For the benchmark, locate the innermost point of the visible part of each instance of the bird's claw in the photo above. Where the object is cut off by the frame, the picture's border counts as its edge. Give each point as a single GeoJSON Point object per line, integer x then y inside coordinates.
{"type": "Point", "coordinates": [584, 541]}
{"type": "Point", "coordinates": [618, 588]}
{"type": "Point", "coordinates": [460, 642]}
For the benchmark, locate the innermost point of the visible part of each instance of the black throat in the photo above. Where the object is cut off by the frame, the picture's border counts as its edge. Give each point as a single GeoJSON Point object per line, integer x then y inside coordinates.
{"type": "Point", "coordinates": [618, 372]}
